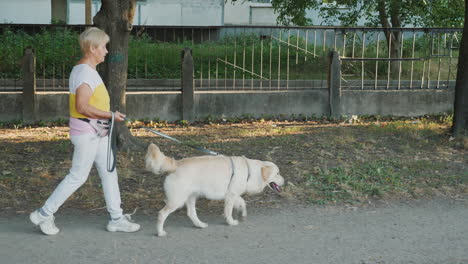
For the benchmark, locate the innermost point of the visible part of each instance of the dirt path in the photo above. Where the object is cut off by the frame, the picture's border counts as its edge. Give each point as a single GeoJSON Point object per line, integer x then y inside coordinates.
{"type": "Point", "coordinates": [432, 231]}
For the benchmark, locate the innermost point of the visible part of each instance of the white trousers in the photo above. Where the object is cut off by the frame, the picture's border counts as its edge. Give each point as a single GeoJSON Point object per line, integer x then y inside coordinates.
{"type": "Point", "coordinates": [88, 149]}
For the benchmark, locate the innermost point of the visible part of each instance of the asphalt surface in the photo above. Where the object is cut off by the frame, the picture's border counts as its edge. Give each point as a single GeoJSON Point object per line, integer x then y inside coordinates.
{"type": "Point", "coordinates": [428, 231]}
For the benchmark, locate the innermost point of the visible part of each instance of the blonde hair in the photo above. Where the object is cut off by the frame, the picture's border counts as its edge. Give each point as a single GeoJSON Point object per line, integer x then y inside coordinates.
{"type": "Point", "coordinates": [92, 37]}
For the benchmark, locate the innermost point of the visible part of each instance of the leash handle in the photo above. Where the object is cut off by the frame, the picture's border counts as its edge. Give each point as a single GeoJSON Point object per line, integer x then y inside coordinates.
{"type": "Point", "coordinates": [111, 148]}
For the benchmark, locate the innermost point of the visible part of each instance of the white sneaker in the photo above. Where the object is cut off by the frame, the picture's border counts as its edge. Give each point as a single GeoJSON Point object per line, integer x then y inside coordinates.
{"type": "Point", "coordinates": [124, 224]}
{"type": "Point", "coordinates": [46, 223]}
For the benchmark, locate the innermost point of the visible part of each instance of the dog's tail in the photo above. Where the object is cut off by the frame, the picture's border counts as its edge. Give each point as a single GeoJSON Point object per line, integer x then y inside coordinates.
{"type": "Point", "coordinates": [157, 162]}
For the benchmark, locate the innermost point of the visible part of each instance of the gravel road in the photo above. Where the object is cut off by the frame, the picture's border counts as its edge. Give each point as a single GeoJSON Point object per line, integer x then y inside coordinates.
{"type": "Point", "coordinates": [423, 231]}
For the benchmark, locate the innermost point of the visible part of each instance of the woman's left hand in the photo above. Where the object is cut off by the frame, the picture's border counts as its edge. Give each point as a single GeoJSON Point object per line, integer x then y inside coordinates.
{"type": "Point", "coordinates": [119, 117]}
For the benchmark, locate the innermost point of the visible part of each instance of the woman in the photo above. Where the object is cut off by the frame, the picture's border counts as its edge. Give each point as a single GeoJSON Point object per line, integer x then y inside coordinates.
{"type": "Point", "coordinates": [89, 105]}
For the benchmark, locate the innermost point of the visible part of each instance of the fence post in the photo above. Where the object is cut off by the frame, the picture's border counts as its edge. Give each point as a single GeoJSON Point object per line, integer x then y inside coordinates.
{"type": "Point", "coordinates": [29, 86]}
{"type": "Point", "coordinates": [187, 85]}
{"type": "Point", "coordinates": [334, 84]}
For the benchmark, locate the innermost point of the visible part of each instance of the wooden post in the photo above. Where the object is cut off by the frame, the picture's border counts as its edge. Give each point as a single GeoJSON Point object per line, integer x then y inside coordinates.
{"type": "Point", "coordinates": [88, 12]}
{"type": "Point", "coordinates": [187, 85]}
{"type": "Point", "coordinates": [334, 85]}
{"type": "Point", "coordinates": [29, 86]}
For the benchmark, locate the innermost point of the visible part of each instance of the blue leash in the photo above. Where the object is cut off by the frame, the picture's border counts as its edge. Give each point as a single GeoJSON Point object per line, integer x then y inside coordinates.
{"type": "Point", "coordinates": [209, 152]}
{"type": "Point", "coordinates": [112, 146]}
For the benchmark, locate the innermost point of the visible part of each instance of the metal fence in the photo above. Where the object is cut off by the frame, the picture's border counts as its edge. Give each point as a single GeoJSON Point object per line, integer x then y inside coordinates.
{"type": "Point", "coordinates": [413, 58]}
{"type": "Point", "coordinates": [248, 58]}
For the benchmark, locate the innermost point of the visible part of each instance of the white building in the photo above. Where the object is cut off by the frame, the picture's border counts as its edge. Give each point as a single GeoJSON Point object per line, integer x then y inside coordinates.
{"type": "Point", "coordinates": [161, 12]}
{"type": "Point", "coordinates": [25, 11]}
{"type": "Point", "coordinates": [150, 12]}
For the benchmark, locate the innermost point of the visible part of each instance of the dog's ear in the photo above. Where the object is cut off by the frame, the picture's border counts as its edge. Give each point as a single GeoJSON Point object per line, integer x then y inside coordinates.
{"type": "Point", "coordinates": [153, 150]}
{"type": "Point", "coordinates": [152, 147]}
{"type": "Point", "coordinates": [266, 172]}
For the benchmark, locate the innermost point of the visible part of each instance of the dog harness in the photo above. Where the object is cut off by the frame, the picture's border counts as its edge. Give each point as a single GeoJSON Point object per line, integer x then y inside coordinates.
{"type": "Point", "coordinates": [233, 172]}
{"type": "Point", "coordinates": [233, 166]}
{"type": "Point", "coordinates": [248, 168]}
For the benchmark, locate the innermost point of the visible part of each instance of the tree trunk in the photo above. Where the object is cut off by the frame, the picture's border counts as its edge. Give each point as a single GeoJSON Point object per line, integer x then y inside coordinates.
{"type": "Point", "coordinates": [59, 11]}
{"type": "Point", "coordinates": [115, 17]}
{"type": "Point", "coordinates": [460, 118]}
{"type": "Point", "coordinates": [395, 52]}
{"type": "Point", "coordinates": [395, 49]}
{"type": "Point", "coordinates": [393, 37]}
{"type": "Point", "coordinates": [87, 12]}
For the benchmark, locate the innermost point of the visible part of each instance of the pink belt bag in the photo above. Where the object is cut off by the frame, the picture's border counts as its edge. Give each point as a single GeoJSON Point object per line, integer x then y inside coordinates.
{"type": "Point", "coordinates": [100, 125]}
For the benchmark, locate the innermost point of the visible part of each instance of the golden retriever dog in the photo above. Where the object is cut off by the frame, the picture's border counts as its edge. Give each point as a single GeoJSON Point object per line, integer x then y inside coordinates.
{"type": "Point", "coordinates": [212, 177]}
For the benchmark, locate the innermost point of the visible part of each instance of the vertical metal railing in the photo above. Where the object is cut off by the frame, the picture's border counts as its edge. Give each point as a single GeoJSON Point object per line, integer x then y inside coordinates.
{"type": "Point", "coordinates": [250, 58]}
{"type": "Point", "coordinates": [427, 53]}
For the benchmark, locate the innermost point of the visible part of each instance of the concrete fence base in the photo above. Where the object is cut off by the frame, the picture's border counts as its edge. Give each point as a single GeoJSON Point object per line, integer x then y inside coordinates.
{"type": "Point", "coordinates": [190, 104]}
{"type": "Point", "coordinates": [168, 105]}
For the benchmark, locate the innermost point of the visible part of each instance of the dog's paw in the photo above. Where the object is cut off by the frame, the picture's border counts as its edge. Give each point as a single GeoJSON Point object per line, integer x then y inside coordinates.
{"type": "Point", "coordinates": [162, 234]}
{"type": "Point", "coordinates": [233, 222]}
{"type": "Point", "coordinates": [202, 225]}
{"type": "Point", "coordinates": [244, 214]}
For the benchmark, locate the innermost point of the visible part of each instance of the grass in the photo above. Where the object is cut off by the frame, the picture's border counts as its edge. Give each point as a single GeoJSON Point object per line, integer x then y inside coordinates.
{"type": "Point", "coordinates": [323, 161]}
{"type": "Point", "coordinates": [378, 178]}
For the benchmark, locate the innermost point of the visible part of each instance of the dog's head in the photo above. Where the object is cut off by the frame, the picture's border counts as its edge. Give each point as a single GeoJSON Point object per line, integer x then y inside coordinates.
{"type": "Point", "coordinates": [156, 162]}
{"type": "Point", "coordinates": [153, 159]}
{"type": "Point", "coordinates": [271, 176]}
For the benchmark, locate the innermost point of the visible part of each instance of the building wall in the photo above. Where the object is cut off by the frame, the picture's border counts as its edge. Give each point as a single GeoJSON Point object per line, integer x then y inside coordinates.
{"type": "Point", "coordinates": [162, 12]}
{"type": "Point", "coordinates": [247, 13]}
{"type": "Point", "coordinates": [181, 13]}
{"type": "Point", "coordinates": [76, 11]}
{"type": "Point", "coordinates": [25, 11]}
{"type": "Point", "coordinates": [148, 12]}
{"type": "Point", "coordinates": [236, 13]}
{"type": "Point", "coordinates": [155, 12]}
{"type": "Point", "coordinates": [262, 14]}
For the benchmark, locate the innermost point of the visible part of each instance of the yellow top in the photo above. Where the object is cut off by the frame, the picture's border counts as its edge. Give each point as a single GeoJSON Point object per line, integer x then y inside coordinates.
{"type": "Point", "coordinates": [83, 73]}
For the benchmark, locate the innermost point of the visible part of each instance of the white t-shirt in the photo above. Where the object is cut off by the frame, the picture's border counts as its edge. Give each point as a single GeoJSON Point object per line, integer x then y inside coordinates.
{"type": "Point", "coordinates": [83, 73]}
